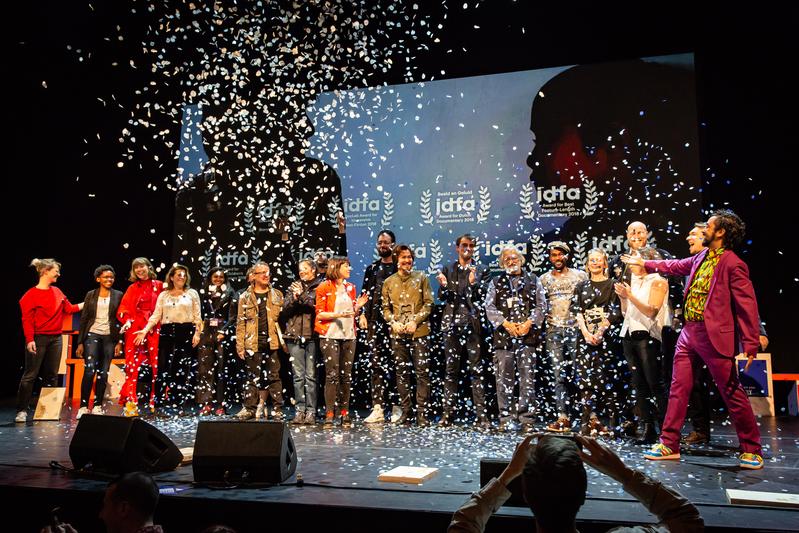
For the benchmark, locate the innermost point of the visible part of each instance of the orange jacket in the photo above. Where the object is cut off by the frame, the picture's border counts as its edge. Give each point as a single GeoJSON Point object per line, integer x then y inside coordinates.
{"type": "Point", "coordinates": [326, 303]}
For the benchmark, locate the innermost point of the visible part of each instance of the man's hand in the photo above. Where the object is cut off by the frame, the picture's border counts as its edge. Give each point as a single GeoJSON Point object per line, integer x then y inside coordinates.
{"type": "Point", "coordinates": [511, 328]}
{"type": "Point", "coordinates": [240, 354]}
{"type": "Point", "coordinates": [763, 343]}
{"type": "Point", "coordinates": [117, 349]}
{"type": "Point", "coordinates": [79, 351]}
{"type": "Point", "coordinates": [442, 279]}
{"type": "Point", "coordinates": [362, 322]}
{"type": "Point", "coordinates": [195, 339]}
{"type": "Point", "coordinates": [410, 327]}
{"type": "Point", "coordinates": [749, 359]}
{"type": "Point", "coordinates": [524, 327]}
{"type": "Point", "coordinates": [472, 277]}
{"type": "Point", "coordinates": [362, 300]}
{"type": "Point", "coordinates": [516, 465]}
{"type": "Point", "coordinates": [31, 346]}
{"type": "Point", "coordinates": [603, 459]}
{"type": "Point", "coordinates": [632, 260]}
{"type": "Point", "coordinates": [397, 327]}
{"type": "Point", "coordinates": [125, 326]}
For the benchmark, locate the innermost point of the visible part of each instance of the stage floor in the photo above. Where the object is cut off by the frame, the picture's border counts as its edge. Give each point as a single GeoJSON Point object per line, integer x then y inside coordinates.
{"type": "Point", "coordinates": [339, 468]}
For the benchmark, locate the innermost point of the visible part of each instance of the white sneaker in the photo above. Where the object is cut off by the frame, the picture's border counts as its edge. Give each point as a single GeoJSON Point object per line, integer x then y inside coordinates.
{"type": "Point", "coordinates": [22, 416]}
{"type": "Point", "coordinates": [377, 416]}
{"type": "Point", "coordinates": [259, 411]}
{"type": "Point", "coordinates": [97, 410]}
{"type": "Point", "coordinates": [82, 411]}
{"type": "Point", "coordinates": [396, 414]}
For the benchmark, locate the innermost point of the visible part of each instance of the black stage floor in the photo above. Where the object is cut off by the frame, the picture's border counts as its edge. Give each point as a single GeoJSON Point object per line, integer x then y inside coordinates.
{"type": "Point", "coordinates": [339, 468]}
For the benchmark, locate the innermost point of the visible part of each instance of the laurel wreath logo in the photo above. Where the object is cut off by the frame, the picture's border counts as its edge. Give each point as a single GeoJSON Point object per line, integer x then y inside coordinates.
{"type": "Point", "coordinates": [436, 255]}
{"type": "Point", "coordinates": [206, 263]}
{"type": "Point", "coordinates": [526, 202]}
{"type": "Point", "coordinates": [299, 216]}
{"type": "Point", "coordinates": [580, 243]}
{"type": "Point", "coordinates": [333, 211]}
{"type": "Point", "coordinates": [485, 205]}
{"type": "Point", "coordinates": [249, 218]}
{"type": "Point", "coordinates": [388, 210]}
{"type": "Point", "coordinates": [424, 207]}
{"type": "Point", "coordinates": [591, 198]}
{"type": "Point", "coordinates": [537, 253]}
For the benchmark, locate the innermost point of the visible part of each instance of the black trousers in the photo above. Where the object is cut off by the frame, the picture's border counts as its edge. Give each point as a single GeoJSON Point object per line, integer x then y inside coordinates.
{"type": "Point", "coordinates": [97, 354]}
{"type": "Point", "coordinates": [643, 357]}
{"type": "Point", "coordinates": [412, 354]}
{"type": "Point", "coordinates": [211, 368]}
{"type": "Point", "coordinates": [177, 366]}
{"type": "Point", "coordinates": [338, 355]}
{"type": "Point", "coordinates": [378, 340]}
{"type": "Point", "coordinates": [43, 364]}
{"type": "Point", "coordinates": [458, 338]}
{"type": "Point", "coordinates": [596, 379]}
{"type": "Point", "coordinates": [263, 373]}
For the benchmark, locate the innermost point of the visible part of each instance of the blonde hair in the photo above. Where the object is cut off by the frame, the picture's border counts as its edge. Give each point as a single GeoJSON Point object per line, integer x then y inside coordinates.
{"type": "Point", "coordinates": [505, 251]}
{"type": "Point", "coordinates": [141, 261]}
{"type": "Point", "coordinates": [168, 281]}
{"type": "Point", "coordinates": [600, 251]}
{"type": "Point", "coordinates": [43, 265]}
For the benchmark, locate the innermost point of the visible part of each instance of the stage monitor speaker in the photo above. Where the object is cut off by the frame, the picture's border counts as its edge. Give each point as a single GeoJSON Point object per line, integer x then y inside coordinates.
{"type": "Point", "coordinates": [492, 468]}
{"type": "Point", "coordinates": [234, 451]}
{"type": "Point", "coordinates": [117, 445]}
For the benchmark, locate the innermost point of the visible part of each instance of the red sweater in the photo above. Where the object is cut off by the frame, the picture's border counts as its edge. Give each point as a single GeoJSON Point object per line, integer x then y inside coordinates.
{"type": "Point", "coordinates": [43, 311]}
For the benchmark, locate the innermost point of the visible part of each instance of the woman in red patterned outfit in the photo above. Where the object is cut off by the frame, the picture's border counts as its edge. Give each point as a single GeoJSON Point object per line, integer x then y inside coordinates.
{"type": "Point", "coordinates": [134, 311]}
{"type": "Point", "coordinates": [43, 310]}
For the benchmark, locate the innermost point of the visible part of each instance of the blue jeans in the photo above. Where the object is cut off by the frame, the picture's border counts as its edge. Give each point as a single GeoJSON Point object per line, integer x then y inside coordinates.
{"type": "Point", "coordinates": [561, 346]}
{"type": "Point", "coordinates": [303, 366]}
{"type": "Point", "coordinates": [98, 350]}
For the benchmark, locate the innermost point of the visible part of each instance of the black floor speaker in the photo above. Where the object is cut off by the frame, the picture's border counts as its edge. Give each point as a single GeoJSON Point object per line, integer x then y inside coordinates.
{"type": "Point", "coordinates": [233, 451]}
{"type": "Point", "coordinates": [492, 468]}
{"type": "Point", "coordinates": [117, 445]}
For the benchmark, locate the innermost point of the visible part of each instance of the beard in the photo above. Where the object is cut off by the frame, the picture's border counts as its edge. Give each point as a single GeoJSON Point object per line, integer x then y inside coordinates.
{"type": "Point", "coordinates": [382, 252]}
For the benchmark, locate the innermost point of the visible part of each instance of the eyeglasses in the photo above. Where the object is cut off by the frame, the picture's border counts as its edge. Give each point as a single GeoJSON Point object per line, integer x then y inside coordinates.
{"type": "Point", "coordinates": [261, 273]}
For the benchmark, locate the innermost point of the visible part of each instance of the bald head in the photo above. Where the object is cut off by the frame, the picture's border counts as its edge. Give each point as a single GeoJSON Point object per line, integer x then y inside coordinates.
{"type": "Point", "coordinates": [637, 235]}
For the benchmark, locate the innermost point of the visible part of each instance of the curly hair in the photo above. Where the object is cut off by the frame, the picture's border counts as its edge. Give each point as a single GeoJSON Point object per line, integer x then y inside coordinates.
{"type": "Point", "coordinates": [734, 228]}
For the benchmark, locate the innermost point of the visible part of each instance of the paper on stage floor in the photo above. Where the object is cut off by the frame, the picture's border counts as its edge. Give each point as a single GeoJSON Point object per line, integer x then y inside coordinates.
{"type": "Point", "coordinates": [408, 474]}
{"type": "Point", "coordinates": [771, 499]}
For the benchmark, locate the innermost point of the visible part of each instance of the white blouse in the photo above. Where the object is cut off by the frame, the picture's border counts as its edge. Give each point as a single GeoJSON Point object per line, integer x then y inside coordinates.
{"type": "Point", "coordinates": [181, 309]}
{"type": "Point", "coordinates": [634, 319]}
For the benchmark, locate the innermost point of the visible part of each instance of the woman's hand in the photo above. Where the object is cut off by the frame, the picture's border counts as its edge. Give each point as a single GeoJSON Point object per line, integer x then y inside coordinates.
{"type": "Point", "coordinates": [622, 290]}
{"type": "Point", "coordinates": [79, 351]}
{"type": "Point", "coordinates": [139, 337]}
{"type": "Point", "coordinates": [361, 301]}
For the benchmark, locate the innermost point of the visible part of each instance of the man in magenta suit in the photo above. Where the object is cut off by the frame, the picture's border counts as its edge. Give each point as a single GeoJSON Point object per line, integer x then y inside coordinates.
{"type": "Point", "coordinates": [720, 315]}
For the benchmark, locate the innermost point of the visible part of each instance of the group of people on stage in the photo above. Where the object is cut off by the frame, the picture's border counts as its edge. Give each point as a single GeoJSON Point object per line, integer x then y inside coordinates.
{"type": "Point", "coordinates": [571, 317]}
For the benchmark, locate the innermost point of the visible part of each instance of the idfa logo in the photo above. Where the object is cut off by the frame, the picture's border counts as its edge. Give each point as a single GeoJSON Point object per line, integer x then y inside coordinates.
{"type": "Point", "coordinates": [230, 259]}
{"type": "Point", "coordinates": [454, 205]}
{"type": "Point", "coordinates": [360, 205]}
{"type": "Point", "coordinates": [554, 194]}
{"type": "Point", "coordinates": [496, 249]}
{"type": "Point", "coordinates": [419, 250]}
{"type": "Point", "coordinates": [610, 244]}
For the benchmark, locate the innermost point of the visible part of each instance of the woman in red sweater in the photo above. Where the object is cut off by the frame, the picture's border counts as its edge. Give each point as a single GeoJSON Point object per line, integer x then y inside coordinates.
{"type": "Point", "coordinates": [43, 310]}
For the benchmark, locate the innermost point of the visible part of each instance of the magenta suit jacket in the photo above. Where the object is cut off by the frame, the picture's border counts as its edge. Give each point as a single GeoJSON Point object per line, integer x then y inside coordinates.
{"type": "Point", "coordinates": [731, 315]}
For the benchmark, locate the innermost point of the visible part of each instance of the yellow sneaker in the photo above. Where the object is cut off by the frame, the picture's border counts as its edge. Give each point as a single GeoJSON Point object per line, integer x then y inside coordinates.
{"type": "Point", "coordinates": [131, 409]}
{"type": "Point", "coordinates": [659, 452]}
{"type": "Point", "coordinates": [752, 461]}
